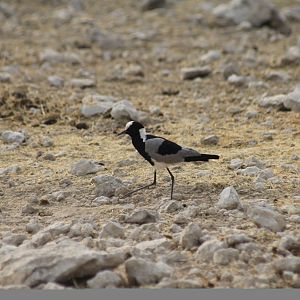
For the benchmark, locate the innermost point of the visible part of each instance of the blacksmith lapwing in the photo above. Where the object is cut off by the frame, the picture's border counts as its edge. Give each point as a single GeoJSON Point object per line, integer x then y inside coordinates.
{"type": "Point", "coordinates": [160, 152]}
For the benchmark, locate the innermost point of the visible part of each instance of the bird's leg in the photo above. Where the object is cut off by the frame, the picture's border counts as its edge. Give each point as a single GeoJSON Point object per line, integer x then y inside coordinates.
{"type": "Point", "coordinates": [143, 187]}
{"type": "Point", "coordinates": [173, 180]}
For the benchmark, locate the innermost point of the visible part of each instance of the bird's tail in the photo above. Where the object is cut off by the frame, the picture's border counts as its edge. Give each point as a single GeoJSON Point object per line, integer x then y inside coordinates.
{"type": "Point", "coordinates": [202, 157]}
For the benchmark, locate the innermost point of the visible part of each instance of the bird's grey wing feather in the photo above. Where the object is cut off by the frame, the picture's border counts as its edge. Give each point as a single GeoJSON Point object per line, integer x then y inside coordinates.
{"type": "Point", "coordinates": [153, 147]}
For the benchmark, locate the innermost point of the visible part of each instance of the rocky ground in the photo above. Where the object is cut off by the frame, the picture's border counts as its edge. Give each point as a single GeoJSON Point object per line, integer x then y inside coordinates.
{"type": "Point", "coordinates": [220, 79]}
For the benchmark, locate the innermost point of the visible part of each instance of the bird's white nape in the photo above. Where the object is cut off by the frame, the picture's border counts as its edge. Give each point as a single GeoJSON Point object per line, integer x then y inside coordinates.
{"type": "Point", "coordinates": [128, 125]}
{"type": "Point", "coordinates": [142, 132]}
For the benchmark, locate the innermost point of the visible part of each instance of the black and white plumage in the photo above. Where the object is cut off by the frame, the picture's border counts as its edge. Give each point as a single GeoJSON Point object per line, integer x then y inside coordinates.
{"type": "Point", "coordinates": [160, 152]}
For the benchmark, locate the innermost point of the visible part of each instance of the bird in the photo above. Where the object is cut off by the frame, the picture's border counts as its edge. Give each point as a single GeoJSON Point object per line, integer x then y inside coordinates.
{"type": "Point", "coordinates": [160, 152]}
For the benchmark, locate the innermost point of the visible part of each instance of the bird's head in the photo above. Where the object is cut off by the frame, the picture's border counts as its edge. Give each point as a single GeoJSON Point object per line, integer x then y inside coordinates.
{"type": "Point", "coordinates": [134, 129]}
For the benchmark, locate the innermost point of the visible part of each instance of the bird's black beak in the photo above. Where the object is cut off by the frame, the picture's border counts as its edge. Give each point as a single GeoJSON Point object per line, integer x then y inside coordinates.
{"type": "Point", "coordinates": [121, 133]}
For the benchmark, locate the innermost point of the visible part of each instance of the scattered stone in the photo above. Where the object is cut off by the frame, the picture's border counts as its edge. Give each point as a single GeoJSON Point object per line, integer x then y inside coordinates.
{"type": "Point", "coordinates": [54, 57]}
{"type": "Point", "coordinates": [181, 283]}
{"type": "Point", "coordinates": [292, 100]}
{"type": "Point", "coordinates": [85, 167]}
{"type": "Point", "coordinates": [5, 77]}
{"type": "Point", "coordinates": [134, 70]}
{"type": "Point", "coordinates": [14, 239]}
{"type": "Point", "coordinates": [235, 164]}
{"type": "Point", "coordinates": [152, 4]}
{"type": "Point", "coordinates": [238, 80]}
{"type": "Point", "coordinates": [292, 56]}
{"type": "Point", "coordinates": [56, 81]}
{"type": "Point", "coordinates": [191, 236]}
{"type": "Point", "coordinates": [292, 13]}
{"type": "Point", "coordinates": [230, 69]}
{"type": "Point", "coordinates": [192, 73]}
{"type": "Point", "coordinates": [154, 245]}
{"type": "Point", "coordinates": [107, 185]}
{"type": "Point", "coordinates": [112, 229]}
{"type": "Point", "coordinates": [291, 264]}
{"type": "Point", "coordinates": [171, 206]}
{"type": "Point", "coordinates": [97, 105]}
{"type": "Point", "coordinates": [267, 218]}
{"type": "Point", "coordinates": [28, 209]}
{"type": "Point", "coordinates": [210, 140]}
{"type": "Point", "coordinates": [46, 141]}
{"type": "Point", "coordinates": [10, 170]}
{"type": "Point", "coordinates": [211, 56]}
{"type": "Point", "coordinates": [55, 262]}
{"type": "Point", "coordinates": [82, 83]}
{"type": "Point", "coordinates": [229, 199]}
{"type": "Point", "coordinates": [141, 272]}
{"type": "Point", "coordinates": [105, 279]}
{"type": "Point", "coordinates": [141, 216]}
{"type": "Point", "coordinates": [278, 76]}
{"type": "Point", "coordinates": [206, 251]}
{"type": "Point", "coordinates": [13, 137]}
{"type": "Point", "coordinates": [124, 110]}
{"type": "Point", "coordinates": [255, 12]}
{"type": "Point", "coordinates": [273, 101]}
{"type": "Point", "coordinates": [33, 226]}
{"type": "Point", "coordinates": [225, 256]}
{"type": "Point", "coordinates": [235, 239]}
{"type": "Point", "coordinates": [249, 171]}
{"type": "Point", "coordinates": [290, 243]}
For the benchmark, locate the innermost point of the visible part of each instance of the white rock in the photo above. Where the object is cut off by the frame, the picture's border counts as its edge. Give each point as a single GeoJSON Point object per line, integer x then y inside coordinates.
{"type": "Point", "coordinates": [97, 105]}
{"type": "Point", "coordinates": [124, 110]}
{"type": "Point", "coordinates": [250, 171]}
{"type": "Point", "coordinates": [225, 256]}
{"type": "Point", "coordinates": [191, 236]}
{"type": "Point", "coordinates": [279, 76]}
{"type": "Point", "coordinates": [171, 206]}
{"type": "Point", "coordinates": [290, 263]}
{"type": "Point", "coordinates": [211, 56]}
{"type": "Point", "coordinates": [255, 12]}
{"type": "Point", "coordinates": [82, 83]}
{"type": "Point", "coordinates": [5, 77]}
{"type": "Point", "coordinates": [154, 245]}
{"type": "Point", "coordinates": [112, 229]}
{"type": "Point", "coordinates": [54, 262]}
{"type": "Point", "coordinates": [10, 170]}
{"type": "Point", "coordinates": [235, 164]}
{"type": "Point", "coordinates": [235, 239]}
{"type": "Point", "coordinates": [85, 167]}
{"type": "Point", "coordinates": [192, 73]}
{"type": "Point", "coordinates": [54, 57]}
{"type": "Point", "coordinates": [206, 251]}
{"type": "Point", "coordinates": [105, 279]}
{"type": "Point", "coordinates": [56, 81]}
{"type": "Point", "coordinates": [141, 216]}
{"type": "Point", "coordinates": [267, 218]}
{"type": "Point", "coordinates": [14, 239]}
{"type": "Point", "coordinates": [33, 226]}
{"type": "Point", "coordinates": [238, 80]}
{"type": "Point", "coordinates": [293, 100]}
{"type": "Point", "coordinates": [181, 283]}
{"type": "Point", "coordinates": [229, 198]}
{"type": "Point", "coordinates": [273, 101]}
{"type": "Point", "coordinates": [13, 137]}
{"type": "Point", "coordinates": [106, 185]}
{"type": "Point", "coordinates": [292, 56]}
{"type": "Point", "coordinates": [142, 272]}
{"type": "Point", "coordinates": [210, 140]}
